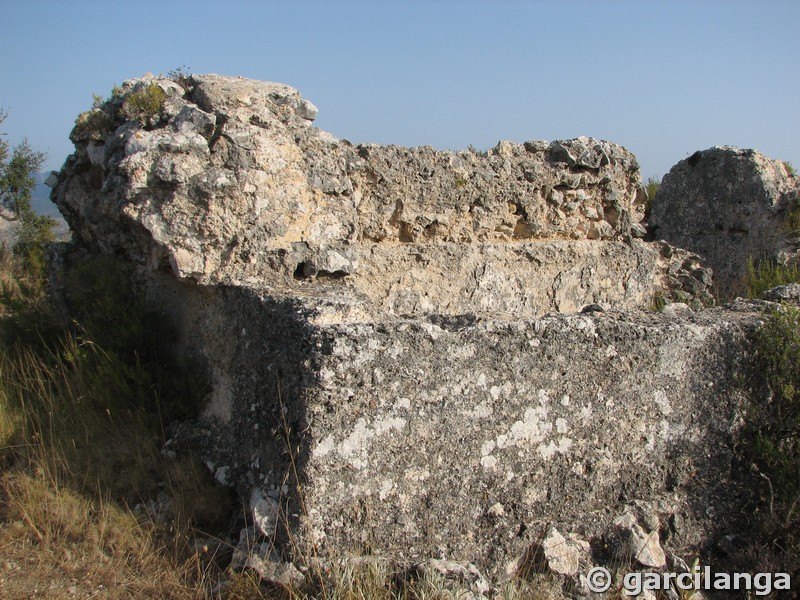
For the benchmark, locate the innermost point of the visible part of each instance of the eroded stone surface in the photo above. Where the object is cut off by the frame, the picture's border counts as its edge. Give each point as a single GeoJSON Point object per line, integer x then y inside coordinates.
{"type": "Point", "coordinates": [464, 439]}
{"type": "Point", "coordinates": [564, 554]}
{"type": "Point", "coordinates": [370, 320]}
{"type": "Point", "coordinates": [229, 183]}
{"type": "Point", "coordinates": [728, 205]}
{"type": "Point", "coordinates": [634, 543]}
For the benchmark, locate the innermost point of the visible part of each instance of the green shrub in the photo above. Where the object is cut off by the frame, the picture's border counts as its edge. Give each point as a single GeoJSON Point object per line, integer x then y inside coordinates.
{"type": "Point", "coordinates": [777, 427]}
{"type": "Point", "coordinates": [790, 169]}
{"type": "Point", "coordinates": [34, 232]}
{"type": "Point", "coordinates": [766, 274]}
{"type": "Point", "coordinates": [658, 302]}
{"type": "Point", "coordinates": [651, 187]}
{"type": "Point", "coordinates": [769, 448]}
{"type": "Point", "coordinates": [93, 125]}
{"type": "Point", "coordinates": [145, 104]}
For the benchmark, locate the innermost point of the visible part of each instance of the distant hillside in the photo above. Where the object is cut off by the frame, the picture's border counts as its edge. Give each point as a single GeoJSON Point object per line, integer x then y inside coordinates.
{"type": "Point", "coordinates": [40, 198]}
{"type": "Point", "coordinates": [40, 202]}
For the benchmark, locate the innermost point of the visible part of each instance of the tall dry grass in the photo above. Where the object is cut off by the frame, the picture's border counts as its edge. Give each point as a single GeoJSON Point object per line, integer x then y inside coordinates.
{"type": "Point", "coordinates": [78, 455]}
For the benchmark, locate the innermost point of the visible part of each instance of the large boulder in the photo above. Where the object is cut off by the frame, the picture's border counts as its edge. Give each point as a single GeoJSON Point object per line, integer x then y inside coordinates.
{"type": "Point", "coordinates": [384, 378]}
{"type": "Point", "coordinates": [466, 438]}
{"type": "Point", "coordinates": [729, 206]}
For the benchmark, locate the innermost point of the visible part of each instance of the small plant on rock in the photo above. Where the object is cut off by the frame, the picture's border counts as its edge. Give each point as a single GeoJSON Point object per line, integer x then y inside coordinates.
{"type": "Point", "coordinates": [770, 442]}
{"type": "Point", "coordinates": [145, 104]}
{"type": "Point", "coordinates": [182, 76]}
{"type": "Point", "coordinates": [777, 440]}
{"type": "Point", "coordinates": [93, 125]}
{"type": "Point", "coordinates": [651, 187]}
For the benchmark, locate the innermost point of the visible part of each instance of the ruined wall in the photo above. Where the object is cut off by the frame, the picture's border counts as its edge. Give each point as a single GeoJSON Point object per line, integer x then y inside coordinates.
{"type": "Point", "coordinates": [465, 440]}
{"type": "Point", "coordinates": [228, 183]}
{"type": "Point", "coordinates": [373, 320]}
{"type": "Point", "coordinates": [729, 205]}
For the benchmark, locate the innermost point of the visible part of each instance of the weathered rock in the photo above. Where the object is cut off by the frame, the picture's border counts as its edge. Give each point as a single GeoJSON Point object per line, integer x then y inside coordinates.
{"type": "Point", "coordinates": [632, 542]}
{"type": "Point", "coordinates": [676, 309]}
{"type": "Point", "coordinates": [728, 205]}
{"type": "Point", "coordinates": [370, 320]}
{"type": "Point", "coordinates": [646, 595]}
{"type": "Point", "coordinates": [252, 552]}
{"type": "Point", "coordinates": [228, 184]}
{"type": "Point", "coordinates": [266, 513]}
{"type": "Point", "coordinates": [783, 293]}
{"type": "Point", "coordinates": [563, 555]}
{"type": "Point", "coordinates": [410, 432]}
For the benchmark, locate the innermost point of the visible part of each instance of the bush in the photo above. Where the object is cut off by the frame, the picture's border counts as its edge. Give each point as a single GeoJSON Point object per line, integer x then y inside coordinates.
{"type": "Point", "coordinates": [651, 187]}
{"type": "Point", "coordinates": [33, 233]}
{"type": "Point", "coordinates": [766, 274]}
{"type": "Point", "coordinates": [93, 125]}
{"type": "Point", "coordinates": [776, 427]}
{"type": "Point", "coordinates": [145, 105]}
{"type": "Point", "coordinates": [770, 447]}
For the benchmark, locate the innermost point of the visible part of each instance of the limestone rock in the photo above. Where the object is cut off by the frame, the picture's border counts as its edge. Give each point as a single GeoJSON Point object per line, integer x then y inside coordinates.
{"type": "Point", "coordinates": [783, 293]}
{"type": "Point", "coordinates": [266, 513]}
{"type": "Point", "coordinates": [412, 431]}
{"type": "Point", "coordinates": [646, 595]}
{"type": "Point", "coordinates": [728, 205]}
{"type": "Point", "coordinates": [370, 320]}
{"type": "Point", "coordinates": [632, 542]}
{"type": "Point", "coordinates": [563, 555]}
{"type": "Point", "coordinates": [228, 184]}
{"type": "Point", "coordinates": [253, 553]}
{"type": "Point", "coordinates": [677, 310]}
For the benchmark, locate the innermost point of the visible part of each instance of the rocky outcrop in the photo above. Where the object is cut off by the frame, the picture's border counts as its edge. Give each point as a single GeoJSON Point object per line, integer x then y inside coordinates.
{"type": "Point", "coordinates": [730, 206]}
{"type": "Point", "coordinates": [384, 377]}
{"type": "Point", "coordinates": [228, 183]}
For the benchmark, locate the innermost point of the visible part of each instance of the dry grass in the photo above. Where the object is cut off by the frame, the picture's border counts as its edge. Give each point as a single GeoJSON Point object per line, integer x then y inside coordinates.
{"type": "Point", "coordinates": [80, 463]}
{"type": "Point", "coordinates": [17, 289]}
{"type": "Point", "coordinates": [74, 463]}
{"type": "Point", "coordinates": [57, 543]}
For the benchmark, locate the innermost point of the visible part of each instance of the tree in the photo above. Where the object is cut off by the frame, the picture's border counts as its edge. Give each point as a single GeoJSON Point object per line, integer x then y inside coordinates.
{"type": "Point", "coordinates": [32, 230]}
{"type": "Point", "coordinates": [16, 177]}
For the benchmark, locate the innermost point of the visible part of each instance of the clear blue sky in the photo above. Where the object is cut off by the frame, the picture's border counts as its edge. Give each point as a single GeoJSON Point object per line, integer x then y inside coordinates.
{"type": "Point", "coordinates": [663, 78]}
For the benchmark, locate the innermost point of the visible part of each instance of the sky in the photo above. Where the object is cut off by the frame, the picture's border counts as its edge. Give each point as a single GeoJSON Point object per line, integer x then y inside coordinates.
{"type": "Point", "coordinates": [662, 78]}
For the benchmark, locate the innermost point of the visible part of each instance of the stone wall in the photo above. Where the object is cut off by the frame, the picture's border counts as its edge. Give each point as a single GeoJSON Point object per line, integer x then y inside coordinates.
{"type": "Point", "coordinates": [229, 183]}
{"type": "Point", "coordinates": [406, 348]}
{"type": "Point", "coordinates": [467, 439]}
{"type": "Point", "coordinates": [729, 206]}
